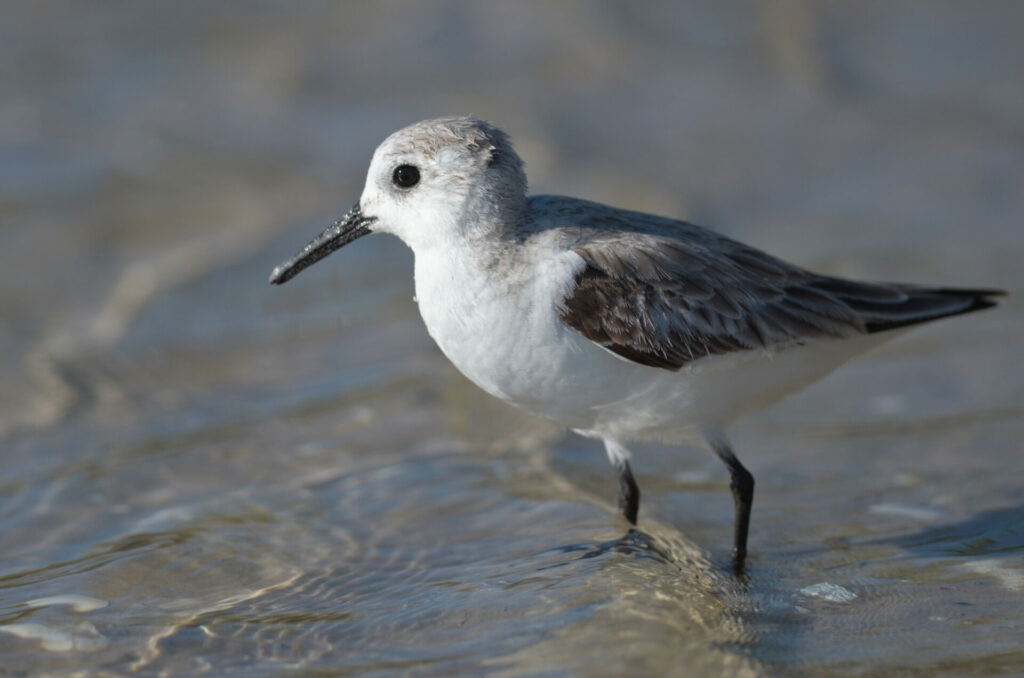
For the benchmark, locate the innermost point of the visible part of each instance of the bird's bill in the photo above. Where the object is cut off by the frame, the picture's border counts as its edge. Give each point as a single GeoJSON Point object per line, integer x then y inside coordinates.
{"type": "Point", "coordinates": [343, 231]}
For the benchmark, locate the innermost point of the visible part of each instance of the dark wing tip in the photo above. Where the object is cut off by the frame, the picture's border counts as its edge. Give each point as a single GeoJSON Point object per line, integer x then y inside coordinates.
{"type": "Point", "coordinates": [978, 293]}
{"type": "Point", "coordinates": [926, 304]}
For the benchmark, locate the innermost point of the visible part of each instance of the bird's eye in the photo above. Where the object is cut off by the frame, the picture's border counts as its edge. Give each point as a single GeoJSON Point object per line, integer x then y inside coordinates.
{"type": "Point", "coordinates": [405, 176]}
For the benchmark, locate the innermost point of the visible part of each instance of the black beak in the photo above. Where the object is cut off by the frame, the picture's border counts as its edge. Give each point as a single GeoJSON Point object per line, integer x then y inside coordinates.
{"type": "Point", "coordinates": [343, 231]}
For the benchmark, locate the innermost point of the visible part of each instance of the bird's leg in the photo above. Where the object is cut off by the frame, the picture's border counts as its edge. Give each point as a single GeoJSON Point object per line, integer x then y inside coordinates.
{"type": "Point", "coordinates": [629, 493]}
{"type": "Point", "coordinates": [742, 486]}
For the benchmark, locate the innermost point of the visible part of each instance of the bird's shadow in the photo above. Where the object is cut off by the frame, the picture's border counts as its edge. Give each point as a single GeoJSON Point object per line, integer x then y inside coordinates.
{"type": "Point", "coordinates": [992, 534]}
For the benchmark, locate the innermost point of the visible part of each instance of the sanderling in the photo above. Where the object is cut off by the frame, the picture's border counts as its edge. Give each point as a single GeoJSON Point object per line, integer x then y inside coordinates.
{"type": "Point", "coordinates": [620, 325]}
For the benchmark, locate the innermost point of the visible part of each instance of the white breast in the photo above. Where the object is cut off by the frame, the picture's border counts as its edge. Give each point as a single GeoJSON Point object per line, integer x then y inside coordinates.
{"type": "Point", "coordinates": [500, 327]}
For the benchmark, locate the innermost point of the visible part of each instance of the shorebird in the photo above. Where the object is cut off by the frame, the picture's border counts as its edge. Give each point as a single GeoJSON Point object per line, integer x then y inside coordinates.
{"type": "Point", "coordinates": [620, 325]}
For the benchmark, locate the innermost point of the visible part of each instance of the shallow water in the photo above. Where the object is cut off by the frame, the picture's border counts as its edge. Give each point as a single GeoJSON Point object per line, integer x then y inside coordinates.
{"type": "Point", "coordinates": [205, 474]}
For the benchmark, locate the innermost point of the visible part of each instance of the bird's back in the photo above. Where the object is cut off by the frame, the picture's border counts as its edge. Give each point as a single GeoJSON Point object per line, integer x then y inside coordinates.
{"type": "Point", "coordinates": [665, 293]}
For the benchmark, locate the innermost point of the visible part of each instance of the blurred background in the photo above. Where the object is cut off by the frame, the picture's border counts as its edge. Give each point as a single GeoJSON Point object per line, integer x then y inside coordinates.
{"type": "Point", "coordinates": [200, 473]}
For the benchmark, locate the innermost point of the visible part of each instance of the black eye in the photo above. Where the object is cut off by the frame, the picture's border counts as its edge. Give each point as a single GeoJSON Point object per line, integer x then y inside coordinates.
{"type": "Point", "coordinates": [405, 176]}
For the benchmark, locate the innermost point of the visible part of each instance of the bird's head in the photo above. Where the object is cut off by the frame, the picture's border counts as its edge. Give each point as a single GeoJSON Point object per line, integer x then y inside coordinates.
{"type": "Point", "coordinates": [430, 183]}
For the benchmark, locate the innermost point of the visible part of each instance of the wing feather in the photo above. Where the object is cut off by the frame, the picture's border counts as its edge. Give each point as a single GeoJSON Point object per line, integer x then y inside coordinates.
{"type": "Point", "coordinates": [665, 299]}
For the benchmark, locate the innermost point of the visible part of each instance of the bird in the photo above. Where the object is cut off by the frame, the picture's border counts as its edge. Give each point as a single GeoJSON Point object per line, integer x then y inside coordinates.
{"type": "Point", "coordinates": [620, 325]}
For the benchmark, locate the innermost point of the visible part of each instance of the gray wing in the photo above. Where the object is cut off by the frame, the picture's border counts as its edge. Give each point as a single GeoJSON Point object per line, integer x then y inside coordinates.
{"type": "Point", "coordinates": [666, 300]}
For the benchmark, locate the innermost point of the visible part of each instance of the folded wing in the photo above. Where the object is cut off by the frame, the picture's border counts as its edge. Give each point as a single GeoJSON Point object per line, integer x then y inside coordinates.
{"type": "Point", "coordinates": [666, 301]}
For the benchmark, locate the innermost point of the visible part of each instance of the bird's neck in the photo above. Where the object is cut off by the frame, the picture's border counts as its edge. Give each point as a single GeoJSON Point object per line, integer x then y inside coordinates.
{"type": "Point", "coordinates": [492, 215]}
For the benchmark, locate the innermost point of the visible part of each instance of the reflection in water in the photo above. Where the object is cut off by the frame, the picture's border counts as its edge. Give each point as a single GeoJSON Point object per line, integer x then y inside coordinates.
{"type": "Point", "coordinates": [202, 474]}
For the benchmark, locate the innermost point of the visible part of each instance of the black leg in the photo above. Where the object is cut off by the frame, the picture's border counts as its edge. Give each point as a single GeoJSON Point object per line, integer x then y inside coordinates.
{"type": "Point", "coordinates": [742, 486]}
{"type": "Point", "coordinates": [629, 493]}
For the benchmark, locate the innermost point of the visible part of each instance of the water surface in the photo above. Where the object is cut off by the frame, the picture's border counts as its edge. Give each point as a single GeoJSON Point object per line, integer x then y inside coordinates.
{"type": "Point", "coordinates": [205, 474]}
